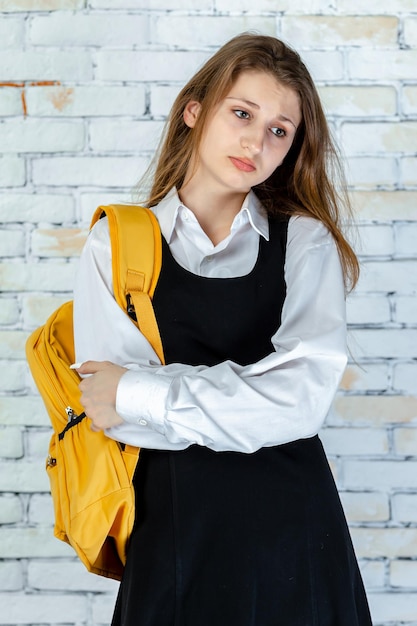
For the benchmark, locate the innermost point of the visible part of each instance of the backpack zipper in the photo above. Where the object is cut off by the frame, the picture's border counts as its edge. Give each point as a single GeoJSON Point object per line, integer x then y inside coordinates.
{"type": "Point", "coordinates": [70, 413]}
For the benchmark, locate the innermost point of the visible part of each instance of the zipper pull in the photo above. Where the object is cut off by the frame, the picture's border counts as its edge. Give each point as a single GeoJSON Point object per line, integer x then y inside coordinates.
{"type": "Point", "coordinates": [130, 307]}
{"type": "Point", "coordinates": [71, 414]}
{"type": "Point", "coordinates": [50, 461]}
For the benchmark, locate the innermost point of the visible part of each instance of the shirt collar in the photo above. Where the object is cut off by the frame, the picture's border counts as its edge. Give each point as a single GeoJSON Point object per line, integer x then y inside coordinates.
{"type": "Point", "coordinates": [252, 211]}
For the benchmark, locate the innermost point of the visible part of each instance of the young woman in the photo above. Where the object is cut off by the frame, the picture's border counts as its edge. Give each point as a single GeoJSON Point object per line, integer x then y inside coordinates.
{"type": "Point", "coordinates": [238, 521]}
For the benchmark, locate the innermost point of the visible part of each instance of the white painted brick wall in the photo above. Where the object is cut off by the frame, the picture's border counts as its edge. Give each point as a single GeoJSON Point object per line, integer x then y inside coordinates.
{"type": "Point", "coordinates": [84, 88]}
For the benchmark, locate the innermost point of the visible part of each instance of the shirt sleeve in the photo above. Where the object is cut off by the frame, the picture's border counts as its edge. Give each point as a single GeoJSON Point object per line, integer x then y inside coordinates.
{"type": "Point", "coordinates": [102, 330]}
{"type": "Point", "coordinates": [281, 398]}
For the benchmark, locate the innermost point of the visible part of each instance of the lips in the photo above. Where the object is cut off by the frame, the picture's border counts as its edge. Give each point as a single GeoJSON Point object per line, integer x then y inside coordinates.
{"type": "Point", "coordinates": [245, 165]}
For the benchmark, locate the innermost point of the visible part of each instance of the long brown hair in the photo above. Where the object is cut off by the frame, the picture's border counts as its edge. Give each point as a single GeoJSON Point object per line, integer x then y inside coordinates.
{"type": "Point", "coordinates": [309, 181]}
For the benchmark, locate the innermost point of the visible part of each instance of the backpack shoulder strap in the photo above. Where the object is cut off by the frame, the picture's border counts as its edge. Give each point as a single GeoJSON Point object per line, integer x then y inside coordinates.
{"type": "Point", "coordinates": [136, 246]}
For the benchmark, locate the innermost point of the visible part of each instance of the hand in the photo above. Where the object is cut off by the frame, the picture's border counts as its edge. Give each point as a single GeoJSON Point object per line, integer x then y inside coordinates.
{"type": "Point", "coordinates": [99, 390]}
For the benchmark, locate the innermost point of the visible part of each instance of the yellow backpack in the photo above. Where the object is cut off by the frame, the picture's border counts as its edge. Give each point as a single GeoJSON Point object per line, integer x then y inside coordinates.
{"type": "Point", "coordinates": [90, 474]}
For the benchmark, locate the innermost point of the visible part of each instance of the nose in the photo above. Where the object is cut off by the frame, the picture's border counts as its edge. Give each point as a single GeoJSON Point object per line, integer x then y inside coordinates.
{"type": "Point", "coordinates": [253, 139]}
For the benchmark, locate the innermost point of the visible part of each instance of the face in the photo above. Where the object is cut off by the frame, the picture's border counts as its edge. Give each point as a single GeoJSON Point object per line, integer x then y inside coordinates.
{"type": "Point", "coordinates": [248, 134]}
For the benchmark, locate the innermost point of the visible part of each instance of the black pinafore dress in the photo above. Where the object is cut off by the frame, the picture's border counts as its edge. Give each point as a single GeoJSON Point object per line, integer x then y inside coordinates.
{"type": "Point", "coordinates": [226, 538]}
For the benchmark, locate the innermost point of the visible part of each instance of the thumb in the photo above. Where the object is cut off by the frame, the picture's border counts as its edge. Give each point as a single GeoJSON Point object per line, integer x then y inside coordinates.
{"type": "Point", "coordinates": [89, 367]}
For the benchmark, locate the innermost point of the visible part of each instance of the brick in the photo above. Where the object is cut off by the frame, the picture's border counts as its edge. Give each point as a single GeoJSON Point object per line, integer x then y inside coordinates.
{"type": "Point", "coordinates": [144, 65]}
{"type": "Point", "coordinates": [406, 239]}
{"type": "Point", "coordinates": [10, 511]}
{"type": "Point", "coordinates": [383, 65]}
{"type": "Point", "coordinates": [369, 172]}
{"type": "Point", "coordinates": [324, 65]}
{"type": "Point", "coordinates": [90, 201]}
{"type": "Point", "coordinates": [196, 31]}
{"type": "Point", "coordinates": [373, 574]}
{"type": "Point", "coordinates": [405, 377]}
{"type": "Point", "coordinates": [406, 310]}
{"type": "Point", "coordinates": [90, 171]}
{"type": "Point", "coordinates": [365, 377]}
{"type": "Point", "coordinates": [41, 136]}
{"type": "Point", "coordinates": [404, 507]}
{"type": "Point", "coordinates": [409, 99]}
{"type": "Point", "coordinates": [270, 6]}
{"type": "Point", "coordinates": [11, 576]}
{"type": "Point", "coordinates": [368, 309]}
{"type": "Point", "coordinates": [78, 29]}
{"type": "Point", "coordinates": [408, 168]}
{"type": "Point", "coordinates": [40, 66]}
{"type": "Point", "coordinates": [380, 474]}
{"type": "Point", "coordinates": [17, 543]}
{"type": "Point", "coordinates": [374, 410]}
{"type": "Point", "coordinates": [102, 609]}
{"type": "Point", "coordinates": [410, 31]}
{"type": "Point", "coordinates": [377, 137]}
{"type": "Point", "coordinates": [405, 441]}
{"type": "Point", "coordinates": [162, 98]}
{"type": "Point", "coordinates": [384, 343]}
{"type": "Point", "coordinates": [47, 276]}
{"type": "Point", "coordinates": [393, 607]}
{"type": "Point", "coordinates": [11, 32]}
{"type": "Point", "coordinates": [152, 5]}
{"type": "Point", "coordinates": [38, 443]}
{"type": "Point", "coordinates": [39, 5]}
{"type": "Point", "coordinates": [385, 205]}
{"type": "Point", "coordinates": [358, 101]}
{"type": "Point", "coordinates": [58, 242]}
{"type": "Point", "coordinates": [37, 309]}
{"type": "Point", "coordinates": [388, 277]}
{"type": "Point", "coordinates": [12, 344]}
{"type": "Point", "coordinates": [125, 136]}
{"type": "Point", "coordinates": [384, 542]}
{"type": "Point", "coordinates": [375, 240]}
{"type": "Point", "coordinates": [42, 609]}
{"type": "Point", "coordinates": [48, 575]}
{"type": "Point", "coordinates": [356, 441]}
{"type": "Point", "coordinates": [10, 101]}
{"type": "Point", "coordinates": [392, 7]}
{"type": "Point", "coordinates": [11, 443]}
{"type": "Point", "coordinates": [34, 207]}
{"type": "Point", "coordinates": [403, 573]}
{"type": "Point", "coordinates": [9, 311]}
{"type": "Point", "coordinates": [365, 507]}
{"type": "Point", "coordinates": [23, 477]}
{"type": "Point", "coordinates": [12, 243]}
{"type": "Point", "coordinates": [12, 171]}
{"type": "Point", "coordinates": [41, 510]}
{"type": "Point", "coordinates": [330, 31]}
{"type": "Point", "coordinates": [23, 410]}
{"type": "Point", "coordinates": [89, 100]}
{"type": "Point", "coordinates": [12, 376]}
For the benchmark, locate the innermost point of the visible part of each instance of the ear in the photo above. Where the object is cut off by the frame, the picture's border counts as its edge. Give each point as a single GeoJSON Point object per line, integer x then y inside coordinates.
{"type": "Point", "coordinates": [191, 111]}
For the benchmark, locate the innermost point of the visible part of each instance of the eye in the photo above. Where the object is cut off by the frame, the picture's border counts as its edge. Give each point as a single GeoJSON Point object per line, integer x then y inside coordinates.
{"type": "Point", "coordinates": [243, 115]}
{"type": "Point", "coordinates": [278, 132]}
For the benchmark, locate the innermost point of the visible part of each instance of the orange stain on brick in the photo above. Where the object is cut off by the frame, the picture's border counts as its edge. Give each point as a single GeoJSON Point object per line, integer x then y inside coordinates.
{"type": "Point", "coordinates": [23, 98]}
{"type": "Point", "coordinates": [349, 378]}
{"type": "Point", "coordinates": [61, 97]}
{"type": "Point", "coordinates": [12, 84]}
{"type": "Point", "coordinates": [64, 242]}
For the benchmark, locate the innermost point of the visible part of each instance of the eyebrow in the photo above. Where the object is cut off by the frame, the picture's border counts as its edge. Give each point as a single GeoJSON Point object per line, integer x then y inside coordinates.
{"type": "Point", "coordinates": [280, 117]}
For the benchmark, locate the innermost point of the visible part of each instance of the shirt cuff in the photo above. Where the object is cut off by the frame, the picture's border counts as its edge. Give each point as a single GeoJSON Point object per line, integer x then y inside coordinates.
{"type": "Point", "coordinates": [141, 398]}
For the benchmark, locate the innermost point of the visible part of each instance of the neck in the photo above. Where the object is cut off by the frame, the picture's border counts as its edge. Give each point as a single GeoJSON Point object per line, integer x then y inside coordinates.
{"type": "Point", "coordinates": [215, 212]}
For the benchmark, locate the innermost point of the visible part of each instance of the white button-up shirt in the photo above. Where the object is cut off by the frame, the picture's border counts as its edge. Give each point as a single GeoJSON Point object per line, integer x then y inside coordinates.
{"type": "Point", "coordinates": [283, 397]}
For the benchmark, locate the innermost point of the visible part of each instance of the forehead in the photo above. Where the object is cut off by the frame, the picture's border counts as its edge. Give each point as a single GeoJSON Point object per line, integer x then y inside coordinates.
{"type": "Point", "coordinates": [263, 90]}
